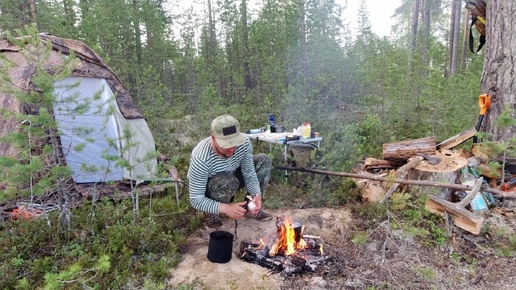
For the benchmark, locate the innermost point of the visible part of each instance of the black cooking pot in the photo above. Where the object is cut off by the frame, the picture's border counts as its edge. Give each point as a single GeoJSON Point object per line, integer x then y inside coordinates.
{"type": "Point", "coordinates": [220, 247]}
{"type": "Point", "coordinates": [278, 129]}
{"type": "Point", "coordinates": [294, 223]}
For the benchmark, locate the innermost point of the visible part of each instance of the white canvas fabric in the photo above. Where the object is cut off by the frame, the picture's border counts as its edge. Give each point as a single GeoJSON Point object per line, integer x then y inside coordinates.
{"type": "Point", "coordinates": [92, 128]}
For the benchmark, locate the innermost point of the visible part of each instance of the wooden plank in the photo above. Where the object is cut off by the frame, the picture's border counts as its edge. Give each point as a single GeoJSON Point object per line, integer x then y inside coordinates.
{"type": "Point", "coordinates": [457, 139]}
{"type": "Point", "coordinates": [462, 218]}
{"type": "Point", "coordinates": [471, 194]}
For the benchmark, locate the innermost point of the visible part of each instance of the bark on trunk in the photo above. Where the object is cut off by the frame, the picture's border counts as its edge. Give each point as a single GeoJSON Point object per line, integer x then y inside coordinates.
{"type": "Point", "coordinates": [413, 34]}
{"type": "Point", "coordinates": [465, 37]}
{"type": "Point", "coordinates": [454, 37]}
{"type": "Point", "coordinates": [498, 78]}
{"type": "Point", "coordinates": [248, 81]}
{"type": "Point", "coordinates": [406, 149]}
{"type": "Point", "coordinates": [33, 12]}
{"type": "Point", "coordinates": [448, 170]}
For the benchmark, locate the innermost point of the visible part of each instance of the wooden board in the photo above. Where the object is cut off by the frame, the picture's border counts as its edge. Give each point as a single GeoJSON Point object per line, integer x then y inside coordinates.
{"type": "Point", "coordinates": [457, 139]}
{"type": "Point", "coordinates": [462, 218]}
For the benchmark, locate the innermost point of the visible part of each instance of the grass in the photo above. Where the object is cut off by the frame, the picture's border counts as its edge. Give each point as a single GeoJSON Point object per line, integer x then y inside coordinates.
{"type": "Point", "coordinates": [141, 252]}
{"type": "Point", "coordinates": [53, 256]}
{"type": "Point", "coordinates": [426, 273]}
{"type": "Point", "coordinates": [359, 238]}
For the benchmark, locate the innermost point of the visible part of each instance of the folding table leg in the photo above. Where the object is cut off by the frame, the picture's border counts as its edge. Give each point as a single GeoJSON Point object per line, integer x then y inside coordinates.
{"type": "Point", "coordinates": [286, 160]}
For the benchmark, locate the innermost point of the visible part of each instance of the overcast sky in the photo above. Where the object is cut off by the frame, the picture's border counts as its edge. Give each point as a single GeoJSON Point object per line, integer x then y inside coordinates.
{"type": "Point", "coordinates": [380, 12]}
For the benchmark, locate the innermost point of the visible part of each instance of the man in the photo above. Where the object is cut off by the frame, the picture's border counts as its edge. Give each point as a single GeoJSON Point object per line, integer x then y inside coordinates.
{"type": "Point", "coordinates": [222, 164]}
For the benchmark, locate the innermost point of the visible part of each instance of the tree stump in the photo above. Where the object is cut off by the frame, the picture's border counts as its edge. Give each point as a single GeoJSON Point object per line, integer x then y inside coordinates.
{"type": "Point", "coordinates": [448, 170]}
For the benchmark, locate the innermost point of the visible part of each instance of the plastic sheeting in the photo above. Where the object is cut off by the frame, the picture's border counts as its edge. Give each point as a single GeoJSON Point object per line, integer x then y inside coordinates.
{"type": "Point", "coordinates": [95, 136]}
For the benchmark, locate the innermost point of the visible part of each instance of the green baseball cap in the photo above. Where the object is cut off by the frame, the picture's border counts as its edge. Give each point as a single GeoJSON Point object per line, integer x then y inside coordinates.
{"type": "Point", "coordinates": [226, 130]}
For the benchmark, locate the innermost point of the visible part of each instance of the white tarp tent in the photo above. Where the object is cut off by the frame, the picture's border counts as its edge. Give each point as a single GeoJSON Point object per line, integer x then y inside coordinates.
{"type": "Point", "coordinates": [103, 134]}
{"type": "Point", "coordinates": [93, 138]}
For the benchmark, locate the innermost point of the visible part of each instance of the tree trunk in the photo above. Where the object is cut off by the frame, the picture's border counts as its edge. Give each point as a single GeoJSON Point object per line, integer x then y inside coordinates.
{"type": "Point", "coordinates": [465, 37]}
{"type": "Point", "coordinates": [303, 35]}
{"type": "Point", "coordinates": [137, 32]}
{"type": "Point", "coordinates": [426, 33]}
{"type": "Point", "coordinates": [454, 37]}
{"type": "Point", "coordinates": [245, 43]}
{"type": "Point", "coordinates": [211, 35]}
{"type": "Point", "coordinates": [499, 68]}
{"type": "Point", "coordinates": [413, 34]}
{"type": "Point", "coordinates": [33, 12]}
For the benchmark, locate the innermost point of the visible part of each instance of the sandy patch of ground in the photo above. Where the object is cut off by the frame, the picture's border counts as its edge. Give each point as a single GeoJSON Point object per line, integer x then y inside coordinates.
{"type": "Point", "coordinates": [330, 224]}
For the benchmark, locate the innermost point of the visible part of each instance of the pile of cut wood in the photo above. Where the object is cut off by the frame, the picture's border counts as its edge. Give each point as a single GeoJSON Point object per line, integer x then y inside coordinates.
{"type": "Point", "coordinates": [425, 166]}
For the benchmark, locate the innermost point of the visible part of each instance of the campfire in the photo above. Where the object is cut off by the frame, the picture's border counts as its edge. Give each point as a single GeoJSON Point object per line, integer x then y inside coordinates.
{"type": "Point", "coordinates": [290, 252]}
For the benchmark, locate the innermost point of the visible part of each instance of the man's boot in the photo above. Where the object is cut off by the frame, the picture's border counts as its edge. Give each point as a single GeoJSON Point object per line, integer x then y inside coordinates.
{"type": "Point", "coordinates": [212, 220]}
{"type": "Point", "coordinates": [261, 216]}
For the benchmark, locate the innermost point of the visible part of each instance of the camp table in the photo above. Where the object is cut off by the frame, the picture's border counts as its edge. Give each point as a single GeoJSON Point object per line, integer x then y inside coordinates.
{"type": "Point", "coordinates": [284, 140]}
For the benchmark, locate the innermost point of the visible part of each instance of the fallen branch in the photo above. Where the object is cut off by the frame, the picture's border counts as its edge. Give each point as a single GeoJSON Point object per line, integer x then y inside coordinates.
{"type": "Point", "coordinates": [494, 191]}
{"type": "Point", "coordinates": [481, 272]}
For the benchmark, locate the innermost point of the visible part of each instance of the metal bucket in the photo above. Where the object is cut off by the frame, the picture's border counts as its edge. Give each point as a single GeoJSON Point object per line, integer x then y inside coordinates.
{"type": "Point", "coordinates": [220, 248]}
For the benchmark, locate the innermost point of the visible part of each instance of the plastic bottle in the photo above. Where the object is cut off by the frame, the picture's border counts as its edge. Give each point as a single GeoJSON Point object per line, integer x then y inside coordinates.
{"type": "Point", "coordinates": [479, 204]}
{"type": "Point", "coordinates": [468, 176]}
{"type": "Point", "coordinates": [306, 130]}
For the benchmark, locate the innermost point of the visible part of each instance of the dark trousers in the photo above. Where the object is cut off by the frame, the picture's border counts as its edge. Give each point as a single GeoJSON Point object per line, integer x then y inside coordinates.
{"type": "Point", "coordinates": [223, 186]}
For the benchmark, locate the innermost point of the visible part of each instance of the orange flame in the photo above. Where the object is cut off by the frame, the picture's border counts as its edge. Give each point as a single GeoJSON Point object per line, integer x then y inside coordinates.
{"type": "Point", "coordinates": [287, 238]}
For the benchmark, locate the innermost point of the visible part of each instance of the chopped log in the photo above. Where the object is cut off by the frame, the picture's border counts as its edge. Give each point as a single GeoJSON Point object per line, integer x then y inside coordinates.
{"type": "Point", "coordinates": [372, 190]}
{"type": "Point", "coordinates": [274, 248]}
{"type": "Point", "coordinates": [406, 149]}
{"type": "Point", "coordinates": [401, 173]}
{"type": "Point", "coordinates": [448, 170]}
{"type": "Point", "coordinates": [461, 217]}
{"type": "Point", "coordinates": [483, 151]}
{"type": "Point", "coordinates": [457, 139]}
{"type": "Point", "coordinates": [373, 163]}
{"type": "Point", "coordinates": [486, 171]}
{"type": "Point", "coordinates": [307, 258]}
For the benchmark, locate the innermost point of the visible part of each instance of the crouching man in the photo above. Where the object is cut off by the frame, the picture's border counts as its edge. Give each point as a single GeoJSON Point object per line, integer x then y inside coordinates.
{"type": "Point", "coordinates": [222, 164]}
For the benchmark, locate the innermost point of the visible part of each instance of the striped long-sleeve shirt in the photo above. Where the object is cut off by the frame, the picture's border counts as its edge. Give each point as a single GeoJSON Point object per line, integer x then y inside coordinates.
{"type": "Point", "coordinates": [205, 163]}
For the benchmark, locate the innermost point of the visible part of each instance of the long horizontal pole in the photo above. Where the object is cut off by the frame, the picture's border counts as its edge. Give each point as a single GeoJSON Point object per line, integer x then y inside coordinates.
{"type": "Point", "coordinates": [404, 181]}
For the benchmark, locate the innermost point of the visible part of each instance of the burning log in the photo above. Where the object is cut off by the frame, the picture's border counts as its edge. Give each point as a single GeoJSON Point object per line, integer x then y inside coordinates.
{"type": "Point", "coordinates": [312, 237]}
{"type": "Point", "coordinates": [274, 249]}
{"type": "Point", "coordinates": [306, 259]}
{"type": "Point", "coordinates": [294, 265]}
{"type": "Point", "coordinates": [251, 253]}
{"type": "Point", "coordinates": [290, 253]}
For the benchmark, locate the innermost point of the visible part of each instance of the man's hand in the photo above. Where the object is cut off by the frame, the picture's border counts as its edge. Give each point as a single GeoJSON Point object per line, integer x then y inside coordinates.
{"type": "Point", "coordinates": [257, 199]}
{"type": "Point", "coordinates": [234, 211]}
